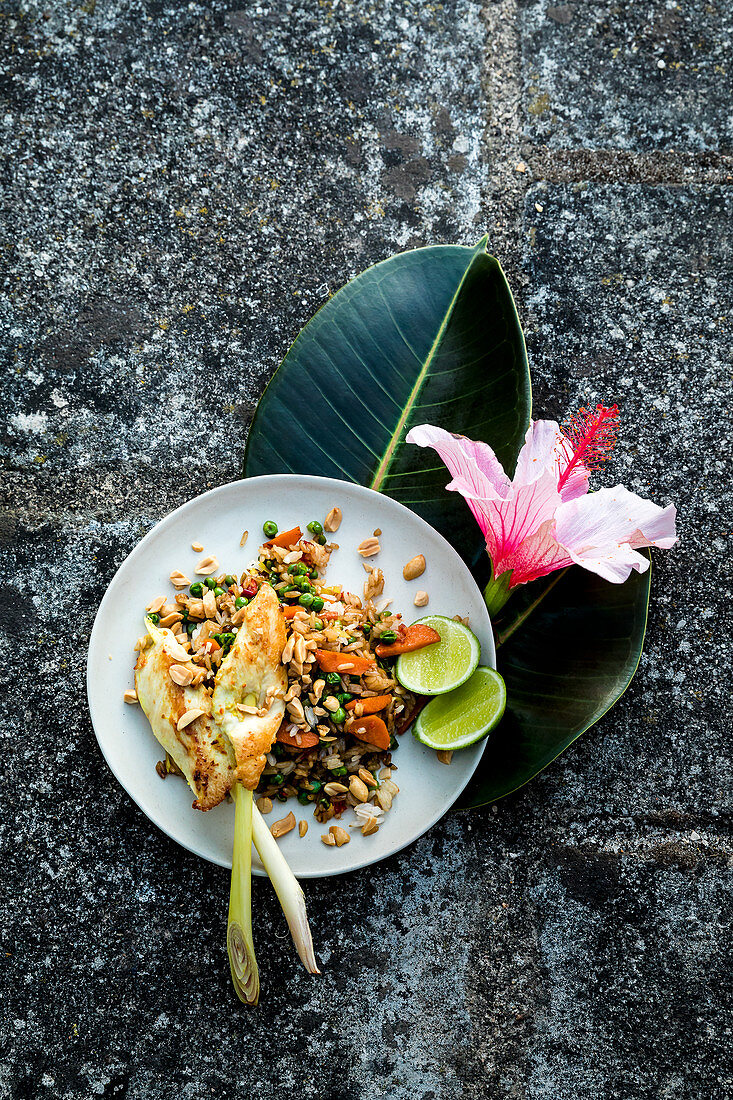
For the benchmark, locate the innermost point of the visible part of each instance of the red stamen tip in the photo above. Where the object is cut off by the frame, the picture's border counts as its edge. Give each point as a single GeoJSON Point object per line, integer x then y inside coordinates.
{"type": "Point", "coordinates": [590, 436]}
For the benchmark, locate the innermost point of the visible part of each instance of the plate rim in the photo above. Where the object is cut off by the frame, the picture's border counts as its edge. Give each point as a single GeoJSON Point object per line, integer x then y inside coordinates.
{"type": "Point", "coordinates": [148, 537]}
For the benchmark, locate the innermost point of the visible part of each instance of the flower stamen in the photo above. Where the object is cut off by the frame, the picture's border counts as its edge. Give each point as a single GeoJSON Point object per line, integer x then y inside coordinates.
{"type": "Point", "coordinates": [589, 438]}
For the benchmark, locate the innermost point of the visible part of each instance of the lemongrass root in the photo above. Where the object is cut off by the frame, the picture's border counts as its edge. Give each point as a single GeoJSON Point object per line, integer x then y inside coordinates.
{"type": "Point", "coordinates": [288, 890]}
{"type": "Point", "coordinates": [240, 946]}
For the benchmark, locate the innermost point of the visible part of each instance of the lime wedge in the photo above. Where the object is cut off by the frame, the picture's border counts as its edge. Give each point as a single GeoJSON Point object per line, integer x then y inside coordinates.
{"type": "Point", "coordinates": [465, 715]}
{"type": "Point", "coordinates": [443, 666]}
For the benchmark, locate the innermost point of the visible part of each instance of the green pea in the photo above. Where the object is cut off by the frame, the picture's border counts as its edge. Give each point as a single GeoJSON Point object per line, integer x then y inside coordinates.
{"type": "Point", "coordinates": [315, 785]}
{"type": "Point", "coordinates": [388, 637]}
{"type": "Point", "coordinates": [218, 591]}
{"type": "Point", "coordinates": [190, 627]}
{"type": "Point", "coordinates": [313, 574]}
{"type": "Point", "coordinates": [281, 796]}
{"type": "Point", "coordinates": [304, 798]}
{"type": "Point", "coordinates": [325, 802]}
{"type": "Point", "coordinates": [305, 600]}
{"type": "Point", "coordinates": [367, 629]}
{"type": "Point", "coordinates": [299, 569]}
{"type": "Point", "coordinates": [229, 638]}
{"type": "Point", "coordinates": [321, 539]}
{"type": "Point", "coordinates": [333, 678]}
{"type": "Point", "coordinates": [270, 528]}
{"type": "Point", "coordinates": [318, 624]}
{"type": "Point", "coordinates": [241, 601]}
{"type": "Point", "coordinates": [276, 779]}
{"type": "Point", "coordinates": [210, 582]}
{"type": "Point", "coordinates": [338, 716]}
{"type": "Point", "coordinates": [197, 589]}
{"type": "Point", "coordinates": [340, 771]}
{"type": "Point", "coordinates": [219, 638]}
{"type": "Point", "coordinates": [154, 616]}
{"type": "Point", "coordinates": [344, 697]}
{"type": "Point", "coordinates": [315, 527]}
{"type": "Point", "coordinates": [229, 579]}
{"type": "Point", "coordinates": [318, 603]}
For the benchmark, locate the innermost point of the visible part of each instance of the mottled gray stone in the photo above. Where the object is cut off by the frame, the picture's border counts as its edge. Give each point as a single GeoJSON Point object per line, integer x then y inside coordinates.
{"type": "Point", "coordinates": [628, 76]}
{"type": "Point", "coordinates": [573, 940]}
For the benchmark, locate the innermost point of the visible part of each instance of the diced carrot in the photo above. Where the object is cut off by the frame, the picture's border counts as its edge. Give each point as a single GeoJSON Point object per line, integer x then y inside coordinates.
{"type": "Point", "coordinates": [308, 739]}
{"type": "Point", "coordinates": [372, 705]}
{"type": "Point", "coordinates": [291, 610]}
{"type": "Point", "coordinates": [286, 539]}
{"type": "Point", "coordinates": [415, 637]}
{"type": "Point", "coordinates": [347, 663]}
{"type": "Point", "coordinates": [329, 614]}
{"type": "Point", "coordinates": [371, 729]}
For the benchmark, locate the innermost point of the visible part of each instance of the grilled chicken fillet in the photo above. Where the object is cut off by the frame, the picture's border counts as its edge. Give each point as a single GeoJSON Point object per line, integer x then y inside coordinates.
{"type": "Point", "coordinates": [200, 750]}
{"type": "Point", "coordinates": [253, 667]}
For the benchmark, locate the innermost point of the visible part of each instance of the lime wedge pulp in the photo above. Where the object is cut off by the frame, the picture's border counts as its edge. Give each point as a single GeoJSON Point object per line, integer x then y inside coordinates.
{"type": "Point", "coordinates": [463, 716]}
{"type": "Point", "coordinates": [443, 666]}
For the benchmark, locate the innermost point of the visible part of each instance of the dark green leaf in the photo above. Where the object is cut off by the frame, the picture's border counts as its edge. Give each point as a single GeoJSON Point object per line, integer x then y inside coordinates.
{"type": "Point", "coordinates": [432, 336]}
{"type": "Point", "coordinates": [568, 646]}
{"type": "Point", "coordinates": [429, 336]}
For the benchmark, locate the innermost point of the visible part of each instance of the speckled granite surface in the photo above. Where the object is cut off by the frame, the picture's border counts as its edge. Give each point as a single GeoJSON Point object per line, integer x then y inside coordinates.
{"type": "Point", "coordinates": [187, 183]}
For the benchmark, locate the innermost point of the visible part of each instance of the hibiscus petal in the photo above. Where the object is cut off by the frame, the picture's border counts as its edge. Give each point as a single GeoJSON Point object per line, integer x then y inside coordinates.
{"type": "Point", "coordinates": [601, 531]}
{"type": "Point", "coordinates": [477, 473]}
{"type": "Point", "coordinates": [546, 448]}
{"type": "Point", "coordinates": [511, 522]}
{"type": "Point", "coordinates": [537, 556]}
{"type": "Point", "coordinates": [470, 459]}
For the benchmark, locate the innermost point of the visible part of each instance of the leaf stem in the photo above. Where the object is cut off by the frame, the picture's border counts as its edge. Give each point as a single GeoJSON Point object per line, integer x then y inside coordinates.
{"type": "Point", "coordinates": [288, 890]}
{"type": "Point", "coordinates": [240, 945]}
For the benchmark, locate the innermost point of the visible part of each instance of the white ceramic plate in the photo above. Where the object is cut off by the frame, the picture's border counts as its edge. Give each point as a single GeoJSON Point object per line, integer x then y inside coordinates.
{"type": "Point", "coordinates": [217, 519]}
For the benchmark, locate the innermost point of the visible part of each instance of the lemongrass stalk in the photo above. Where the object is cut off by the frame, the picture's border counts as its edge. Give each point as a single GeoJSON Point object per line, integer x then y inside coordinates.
{"type": "Point", "coordinates": [240, 945]}
{"type": "Point", "coordinates": [288, 890]}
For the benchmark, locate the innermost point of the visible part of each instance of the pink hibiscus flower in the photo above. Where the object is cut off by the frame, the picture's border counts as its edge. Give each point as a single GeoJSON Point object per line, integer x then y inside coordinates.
{"type": "Point", "coordinates": [544, 518]}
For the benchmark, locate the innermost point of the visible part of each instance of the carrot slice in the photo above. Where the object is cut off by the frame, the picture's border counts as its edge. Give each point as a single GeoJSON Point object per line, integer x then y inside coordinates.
{"type": "Point", "coordinates": [371, 729]}
{"type": "Point", "coordinates": [415, 637]}
{"type": "Point", "coordinates": [372, 705]}
{"type": "Point", "coordinates": [307, 739]}
{"type": "Point", "coordinates": [286, 539]}
{"type": "Point", "coordinates": [290, 610]}
{"type": "Point", "coordinates": [348, 663]}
